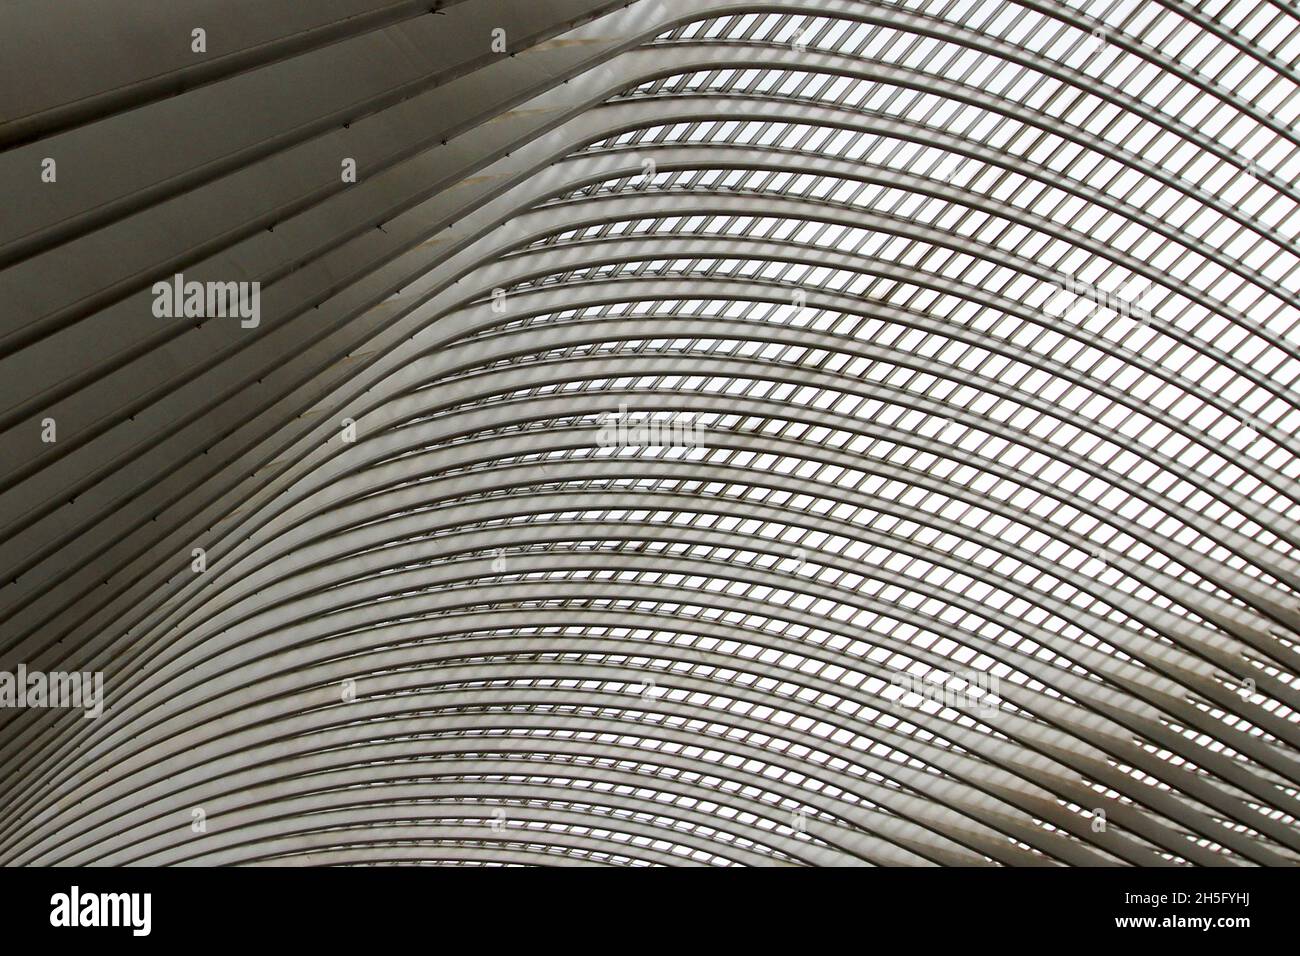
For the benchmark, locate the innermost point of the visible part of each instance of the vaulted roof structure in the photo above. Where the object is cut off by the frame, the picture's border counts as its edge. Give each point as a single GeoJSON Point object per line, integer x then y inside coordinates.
{"type": "Point", "coordinates": [819, 432]}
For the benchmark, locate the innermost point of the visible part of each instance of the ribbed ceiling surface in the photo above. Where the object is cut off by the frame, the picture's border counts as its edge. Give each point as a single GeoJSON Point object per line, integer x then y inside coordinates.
{"type": "Point", "coordinates": [674, 400]}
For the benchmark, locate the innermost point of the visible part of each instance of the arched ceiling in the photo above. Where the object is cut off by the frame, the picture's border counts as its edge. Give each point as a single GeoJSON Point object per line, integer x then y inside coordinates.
{"type": "Point", "coordinates": [677, 397]}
